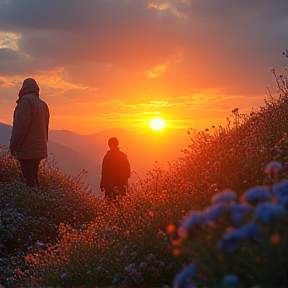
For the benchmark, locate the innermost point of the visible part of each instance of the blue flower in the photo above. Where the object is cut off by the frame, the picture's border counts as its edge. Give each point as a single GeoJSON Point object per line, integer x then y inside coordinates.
{"type": "Point", "coordinates": [273, 166]}
{"type": "Point", "coordinates": [116, 280]}
{"type": "Point", "coordinates": [249, 231]}
{"type": "Point", "coordinates": [216, 212]}
{"type": "Point", "coordinates": [257, 194]}
{"type": "Point", "coordinates": [192, 220]}
{"type": "Point", "coordinates": [281, 192]}
{"type": "Point", "coordinates": [224, 196]}
{"type": "Point", "coordinates": [238, 212]}
{"type": "Point", "coordinates": [232, 240]}
{"type": "Point", "coordinates": [230, 280]}
{"type": "Point", "coordinates": [183, 279]}
{"type": "Point", "coordinates": [267, 211]}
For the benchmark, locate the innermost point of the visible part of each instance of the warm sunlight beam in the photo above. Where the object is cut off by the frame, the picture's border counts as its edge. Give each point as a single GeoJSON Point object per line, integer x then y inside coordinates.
{"type": "Point", "coordinates": [157, 124]}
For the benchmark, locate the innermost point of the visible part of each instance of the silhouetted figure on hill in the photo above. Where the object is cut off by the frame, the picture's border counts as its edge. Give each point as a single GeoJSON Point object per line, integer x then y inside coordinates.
{"type": "Point", "coordinates": [28, 142]}
{"type": "Point", "coordinates": [115, 172]}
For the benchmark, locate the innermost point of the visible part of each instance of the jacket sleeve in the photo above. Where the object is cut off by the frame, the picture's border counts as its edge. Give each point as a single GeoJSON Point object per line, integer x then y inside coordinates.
{"type": "Point", "coordinates": [47, 128]}
{"type": "Point", "coordinates": [127, 168]}
{"type": "Point", "coordinates": [103, 181]}
{"type": "Point", "coordinates": [21, 123]}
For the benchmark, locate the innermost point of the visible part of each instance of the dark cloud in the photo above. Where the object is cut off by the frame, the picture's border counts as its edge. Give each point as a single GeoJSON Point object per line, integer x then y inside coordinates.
{"type": "Point", "coordinates": [8, 54]}
{"type": "Point", "coordinates": [109, 45]}
{"type": "Point", "coordinates": [13, 62]}
{"type": "Point", "coordinates": [129, 34]}
{"type": "Point", "coordinates": [101, 31]}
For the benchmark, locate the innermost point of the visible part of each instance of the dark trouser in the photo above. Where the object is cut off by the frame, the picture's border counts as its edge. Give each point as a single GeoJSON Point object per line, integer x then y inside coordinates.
{"type": "Point", "coordinates": [112, 192]}
{"type": "Point", "coordinates": [30, 168]}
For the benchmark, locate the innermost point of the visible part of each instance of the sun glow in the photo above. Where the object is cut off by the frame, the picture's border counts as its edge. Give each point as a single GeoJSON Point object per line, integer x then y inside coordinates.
{"type": "Point", "coordinates": [157, 124]}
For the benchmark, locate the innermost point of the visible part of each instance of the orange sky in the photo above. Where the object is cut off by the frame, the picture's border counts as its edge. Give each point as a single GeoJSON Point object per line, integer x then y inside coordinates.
{"type": "Point", "coordinates": [118, 63]}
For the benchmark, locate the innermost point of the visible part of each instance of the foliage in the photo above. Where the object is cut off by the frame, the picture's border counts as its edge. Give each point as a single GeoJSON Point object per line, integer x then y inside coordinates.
{"type": "Point", "coordinates": [29, 215]}
{"type": "Point", "coordinates": [32, 216]}
{"type": "Point", "coordinates": [238, 243]}
{"type": "Point", "coordinates": [70, 237]}
{"type": "Point", "coordinates": [9, 170]}
{"type": "Point", "coordinates": [125, 244]}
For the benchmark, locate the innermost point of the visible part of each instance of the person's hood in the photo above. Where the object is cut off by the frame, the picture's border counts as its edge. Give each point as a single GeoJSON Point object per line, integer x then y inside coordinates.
{"type": "Point", "coordinates": [29, 86]}
{"type": "Point", "coordinates": [113, 150]}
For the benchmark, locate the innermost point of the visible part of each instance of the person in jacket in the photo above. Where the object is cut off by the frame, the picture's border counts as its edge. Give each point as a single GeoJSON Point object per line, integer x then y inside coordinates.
{"type": "Point", "coordinates": [28, 142]}
{"type": "Point", "coordinates": [115, 172]}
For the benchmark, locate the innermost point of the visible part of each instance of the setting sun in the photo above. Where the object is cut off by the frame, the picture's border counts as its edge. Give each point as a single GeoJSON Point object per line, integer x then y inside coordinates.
{"type": "Point", "coordinates": [157, 124]}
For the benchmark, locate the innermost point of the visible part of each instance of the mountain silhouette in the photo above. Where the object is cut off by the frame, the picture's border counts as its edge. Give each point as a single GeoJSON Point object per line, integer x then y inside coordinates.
{"type": "Point", "coordinates": [5, 133]}
{"type": "Point", "coordinates": [66, 159]}
{"type": "Point", "coordinates": [145, 150]}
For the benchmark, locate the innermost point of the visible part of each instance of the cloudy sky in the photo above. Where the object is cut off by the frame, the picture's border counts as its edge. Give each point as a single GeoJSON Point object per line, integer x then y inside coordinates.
{"type": "Point", "coordinates": [103, 64]}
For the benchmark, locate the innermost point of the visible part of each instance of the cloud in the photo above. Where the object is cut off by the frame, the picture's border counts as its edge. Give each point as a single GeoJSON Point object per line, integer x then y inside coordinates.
{"type": "Point", "coordinates": [143, 51]}
{"type": "Point", "coordinates": [156, 71]}
{"type": "Point", "coordinates": [129, 34]}
{"type": "Point", "coordinates": [88, 31]}
{"type": "Point", "coordinates": [9, 40]}
{"type": "Point", "coordinates": [167, 5]}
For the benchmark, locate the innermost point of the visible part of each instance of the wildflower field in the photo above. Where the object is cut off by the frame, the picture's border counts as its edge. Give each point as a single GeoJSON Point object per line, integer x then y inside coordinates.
{"type": "Point", "coordinates": [217, 217]}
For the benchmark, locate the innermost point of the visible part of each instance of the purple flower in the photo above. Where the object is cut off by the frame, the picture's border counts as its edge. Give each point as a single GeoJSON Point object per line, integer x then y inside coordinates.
{"type": "Point", "coordinates": [267, 211]}
{"type": "Point", "coordinates": [238, 212]}
{"type": "Point", "coordinates": [216, 212]}
{"type": "Point", "coordinates": [64, 274]}
{"type": "Point", "coordinates": [183, 279]}
{"type": "Point", "coordinates": [231, 240]}
{"type": "Point", "coordinates": [230, 280]}
{"type": "Point", "coordinates": [143, 265]}
{"type": "Point", "coordinates": [151, 257]}
{"type": "Point", "coordinates": [130, 267]}
{"type": "Point", "coordinates": [224, 196]}
{"type": "Point", "coordinates": [281, 192]}
{"type": "Point", "coordinates": [257, 194]}
{"type": "Point", "coordinates": [110, 234]}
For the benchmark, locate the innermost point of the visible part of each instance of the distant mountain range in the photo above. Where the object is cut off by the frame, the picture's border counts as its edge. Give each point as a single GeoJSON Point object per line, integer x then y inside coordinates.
{"type": "Point", "coordinates": [145, 149]}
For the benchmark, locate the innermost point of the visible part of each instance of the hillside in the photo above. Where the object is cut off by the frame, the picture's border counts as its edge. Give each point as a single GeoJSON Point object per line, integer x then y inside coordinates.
{"type": "Point", "coordinates": [67, 159]}
{"type": "Point", "coordinates": [145, 149]}
{"type": "Point", "coordinates": [227, 191]}
{"type": "Point", "coordinates": [64, 228]}
{"type": "Point", "coordinates": [141, 146]}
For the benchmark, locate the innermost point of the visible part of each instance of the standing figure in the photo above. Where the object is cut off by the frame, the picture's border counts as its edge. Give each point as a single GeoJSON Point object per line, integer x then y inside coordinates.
{"type": "Point", "coordinates": [115, 172]}
{"type": "Point", "coordinates": [28, 142]}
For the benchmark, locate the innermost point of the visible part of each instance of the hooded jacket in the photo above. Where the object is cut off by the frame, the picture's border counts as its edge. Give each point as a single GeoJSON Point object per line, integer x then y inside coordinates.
{"type": "Point", "coordinates": [30, 123]}
{"type": "Point", "coordinates": [115, 168]}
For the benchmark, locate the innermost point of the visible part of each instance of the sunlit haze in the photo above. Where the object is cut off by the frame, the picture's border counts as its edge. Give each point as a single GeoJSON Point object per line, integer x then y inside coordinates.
{"type": "Point", "coordinates": [120, 63]}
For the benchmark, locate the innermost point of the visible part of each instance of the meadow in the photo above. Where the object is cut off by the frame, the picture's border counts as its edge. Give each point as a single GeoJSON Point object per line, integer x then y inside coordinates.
{"type": "Point", "coordinates": [217, 217]}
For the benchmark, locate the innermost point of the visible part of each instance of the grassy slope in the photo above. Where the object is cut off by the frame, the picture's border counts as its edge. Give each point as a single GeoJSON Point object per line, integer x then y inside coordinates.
{"type": "Point", "coordinates": [232, 157]}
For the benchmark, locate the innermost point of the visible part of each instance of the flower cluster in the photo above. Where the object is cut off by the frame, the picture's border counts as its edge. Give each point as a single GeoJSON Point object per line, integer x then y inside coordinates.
{"type": "Point", "coordinates": [87, 242]}
{"type": "Point", "coordinates": [254, 226]}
